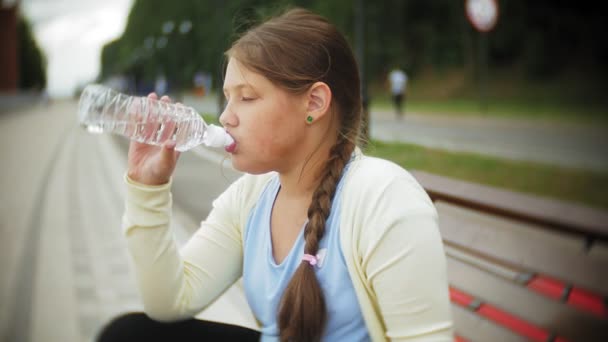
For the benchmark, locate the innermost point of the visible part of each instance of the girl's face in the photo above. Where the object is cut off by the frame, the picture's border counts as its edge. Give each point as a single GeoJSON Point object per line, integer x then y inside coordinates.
{"type": "Point", "coordinates": [267, 123]}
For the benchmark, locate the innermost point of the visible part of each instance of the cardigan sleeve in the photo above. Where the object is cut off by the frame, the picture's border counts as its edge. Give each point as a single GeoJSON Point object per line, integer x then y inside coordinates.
{"type": "Point", "coordinates": [404, 262]}
{"type": "Point", "coordinates": [177, 284]}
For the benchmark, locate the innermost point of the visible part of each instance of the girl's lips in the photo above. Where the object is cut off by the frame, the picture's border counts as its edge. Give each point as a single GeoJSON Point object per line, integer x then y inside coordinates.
{"type": "Point", "coordinates": [230, 148]}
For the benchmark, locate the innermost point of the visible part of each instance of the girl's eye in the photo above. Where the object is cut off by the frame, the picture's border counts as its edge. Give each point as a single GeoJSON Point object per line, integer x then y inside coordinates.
{"type": "Point", "coordinates": [247, 99]}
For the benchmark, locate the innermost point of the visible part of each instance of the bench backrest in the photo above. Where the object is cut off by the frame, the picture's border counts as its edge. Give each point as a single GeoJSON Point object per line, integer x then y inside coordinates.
{"type": "Point", "coordinates": [522, 267]}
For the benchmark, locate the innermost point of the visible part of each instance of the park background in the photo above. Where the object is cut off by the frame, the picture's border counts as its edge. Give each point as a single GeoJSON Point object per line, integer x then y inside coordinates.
{"type": "Point", "coordinates": [544, 61]}
{"type": "Point", "coordinates": [519, 108]}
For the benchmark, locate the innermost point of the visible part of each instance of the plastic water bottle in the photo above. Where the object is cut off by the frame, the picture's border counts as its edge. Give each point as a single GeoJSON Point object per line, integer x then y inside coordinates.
{"type": "Point", "coordinates": [102, 109]}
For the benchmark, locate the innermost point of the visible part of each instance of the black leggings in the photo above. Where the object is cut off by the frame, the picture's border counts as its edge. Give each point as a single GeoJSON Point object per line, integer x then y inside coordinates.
{"type": "Point", "coordinates": [135, 327]}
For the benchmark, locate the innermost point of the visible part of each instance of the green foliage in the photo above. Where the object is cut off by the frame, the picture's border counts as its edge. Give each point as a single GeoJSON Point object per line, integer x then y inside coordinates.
{"type": "Point", "coordinates": [32, 62]}
{"type": "Point", "coordinates": [539, 39]}
{"type": "Point", "coordinates": [146, 51]}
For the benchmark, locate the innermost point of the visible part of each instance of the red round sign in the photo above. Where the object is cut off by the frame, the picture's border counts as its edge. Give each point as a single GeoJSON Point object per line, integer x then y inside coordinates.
{"type": "Point", "coordinates": [483, 14]}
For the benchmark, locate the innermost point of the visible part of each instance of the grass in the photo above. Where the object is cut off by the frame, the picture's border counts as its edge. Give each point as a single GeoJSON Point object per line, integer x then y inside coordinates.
{"type": "Point", "coordinates": [585, 187]}
{"type": "Point", "coordinates": [514, 108]}
{"type": "Point", "coordinates": [210, 119]}
{"type": "Point", "coordinates": [570, 97]}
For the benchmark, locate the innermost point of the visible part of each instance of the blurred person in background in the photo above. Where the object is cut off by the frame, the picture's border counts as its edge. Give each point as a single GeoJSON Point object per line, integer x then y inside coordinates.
{"type": "Point", "coordinates": [398, 83]}
{"type": "Point", "coordinates": [331, 244]}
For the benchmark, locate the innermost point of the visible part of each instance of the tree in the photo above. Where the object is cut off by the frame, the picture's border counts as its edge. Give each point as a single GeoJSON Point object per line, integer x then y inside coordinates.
{"type": "Point", "coordinates": [32, 65]}
{"type": "Point", "coordinates": [541, 39]}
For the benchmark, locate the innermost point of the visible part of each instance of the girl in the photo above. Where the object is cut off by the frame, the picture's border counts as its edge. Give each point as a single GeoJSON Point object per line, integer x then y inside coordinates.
{"type": "Point", "coordinates": [332, 245]}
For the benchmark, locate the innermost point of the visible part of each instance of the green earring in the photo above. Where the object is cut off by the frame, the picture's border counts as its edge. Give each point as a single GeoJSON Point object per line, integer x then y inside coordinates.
{"type": "Point", "coordinates": [309, 119]}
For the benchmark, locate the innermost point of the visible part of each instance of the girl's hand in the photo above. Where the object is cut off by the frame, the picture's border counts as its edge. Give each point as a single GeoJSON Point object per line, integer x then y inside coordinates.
{"type": "Point", "coordinates": [149, 164]}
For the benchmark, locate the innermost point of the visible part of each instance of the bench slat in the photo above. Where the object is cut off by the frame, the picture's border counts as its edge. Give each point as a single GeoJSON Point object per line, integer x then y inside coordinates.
{"type": "Point", "coordinates": [599, 250]}
{"type": "Point", "coordinates": [475, 328]}
{"type": "Point", "coordinates": [503, 240]}
{"type": "Point", "coordinates": [551, 315]}
{"type": "Point", "coordinates": [486, 265]}
{"type": "Point", "coordinates": [552, 213]}
{"type": "Point", "coordinates": [574, 244]}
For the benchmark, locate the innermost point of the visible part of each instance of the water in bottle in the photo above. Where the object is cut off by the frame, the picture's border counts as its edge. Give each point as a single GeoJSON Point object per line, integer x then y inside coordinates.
{"type": "Point", "coordinates": [102, 109]}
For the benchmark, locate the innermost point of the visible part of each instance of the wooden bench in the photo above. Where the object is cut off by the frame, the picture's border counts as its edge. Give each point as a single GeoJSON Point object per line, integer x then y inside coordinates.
{"type": "Point", "coordinates": [521, 267]}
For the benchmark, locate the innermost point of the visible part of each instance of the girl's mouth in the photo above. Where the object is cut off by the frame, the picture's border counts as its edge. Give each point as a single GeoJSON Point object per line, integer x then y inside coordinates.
{"type": "Point", "coordinates": [230, 148]}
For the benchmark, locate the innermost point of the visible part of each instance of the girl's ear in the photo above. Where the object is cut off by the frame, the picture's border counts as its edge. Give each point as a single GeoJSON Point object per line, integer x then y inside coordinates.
{"type": "Point", "coordinates": [319, 101]}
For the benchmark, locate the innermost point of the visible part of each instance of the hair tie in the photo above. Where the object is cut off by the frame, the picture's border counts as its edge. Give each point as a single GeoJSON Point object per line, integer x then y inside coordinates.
{"type": "Point", "coordinates": [312, 260]}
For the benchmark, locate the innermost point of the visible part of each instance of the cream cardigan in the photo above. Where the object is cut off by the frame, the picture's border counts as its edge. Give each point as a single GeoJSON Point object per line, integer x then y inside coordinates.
{"type": "Point", "coordinates": [388, 231]}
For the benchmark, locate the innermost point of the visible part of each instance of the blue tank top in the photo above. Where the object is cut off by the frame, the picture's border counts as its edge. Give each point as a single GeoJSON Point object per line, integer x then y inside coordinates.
{"type": "Point", "coordinates": [265, 280]}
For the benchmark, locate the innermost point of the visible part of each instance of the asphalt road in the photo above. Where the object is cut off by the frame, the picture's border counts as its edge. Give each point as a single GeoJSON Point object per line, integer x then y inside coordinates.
{"type": "Point", "coordinates": [572, 145]}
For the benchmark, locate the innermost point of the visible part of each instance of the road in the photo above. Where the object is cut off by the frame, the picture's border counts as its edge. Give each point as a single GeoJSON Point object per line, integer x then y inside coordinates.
{"type": "Point", "coordinates": [582, 146]}
{"type": "Point", "coordinates": [64, 263]}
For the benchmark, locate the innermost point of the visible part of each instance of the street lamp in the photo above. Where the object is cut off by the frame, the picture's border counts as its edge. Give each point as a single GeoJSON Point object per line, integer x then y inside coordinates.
{"type": "Point", "coordinates": [360, 55]}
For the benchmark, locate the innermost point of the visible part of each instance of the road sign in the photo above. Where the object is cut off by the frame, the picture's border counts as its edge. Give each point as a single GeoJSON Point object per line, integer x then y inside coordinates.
{"type": "Point", "coordinates": [483, 14]}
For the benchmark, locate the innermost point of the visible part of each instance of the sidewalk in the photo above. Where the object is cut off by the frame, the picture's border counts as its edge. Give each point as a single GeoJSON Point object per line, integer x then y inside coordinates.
{"type": "Point", "coordinates": [64, 260]}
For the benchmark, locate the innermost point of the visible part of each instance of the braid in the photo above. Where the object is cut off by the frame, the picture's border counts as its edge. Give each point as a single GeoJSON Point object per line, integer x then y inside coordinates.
{"type": "Point", "coordinates": [302, 311]}
{"type": "Point", "coordinates": [320, 206]}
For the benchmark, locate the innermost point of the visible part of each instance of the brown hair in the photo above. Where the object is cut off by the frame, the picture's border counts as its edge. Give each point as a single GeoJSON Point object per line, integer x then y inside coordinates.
{"type": "Point", "coordinates": [294, 50]}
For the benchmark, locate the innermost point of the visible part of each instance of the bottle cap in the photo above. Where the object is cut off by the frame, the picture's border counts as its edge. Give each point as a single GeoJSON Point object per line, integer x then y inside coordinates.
{"type": "Point", "coordinates": [216, 136]}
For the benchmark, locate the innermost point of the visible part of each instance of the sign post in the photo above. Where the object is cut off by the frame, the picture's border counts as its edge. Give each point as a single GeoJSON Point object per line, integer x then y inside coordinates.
{"type": "Point", "coordinates": [483, 15]}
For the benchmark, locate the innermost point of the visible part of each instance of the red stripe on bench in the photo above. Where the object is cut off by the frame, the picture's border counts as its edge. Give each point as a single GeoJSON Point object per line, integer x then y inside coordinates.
{"type": "Point", "coordinates": [579, 298]}
{"type": "Point", "coordinates": [460, 339]}
{"type": "Point", "coordinates": [460, 297]}
{"type": "Point", "coordinates": [547, 286]}
{"type": "Point", "coordinates": [514, 323]}
{"type": "Point", "coordinates": [588, 301]}
{"type": "Point", "coordinates": [529, 330]}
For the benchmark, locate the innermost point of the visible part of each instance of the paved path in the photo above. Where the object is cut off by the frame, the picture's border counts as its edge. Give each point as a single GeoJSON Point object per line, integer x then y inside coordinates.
{"type": "Point", "coordinates": [64, 264]}
{"type": "Point", "coordinates": [570, 145]}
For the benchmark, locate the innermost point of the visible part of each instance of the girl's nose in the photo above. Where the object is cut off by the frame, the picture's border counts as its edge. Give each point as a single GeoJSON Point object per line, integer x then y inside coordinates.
{"type": "Point", "coordinates": [228, 118]}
